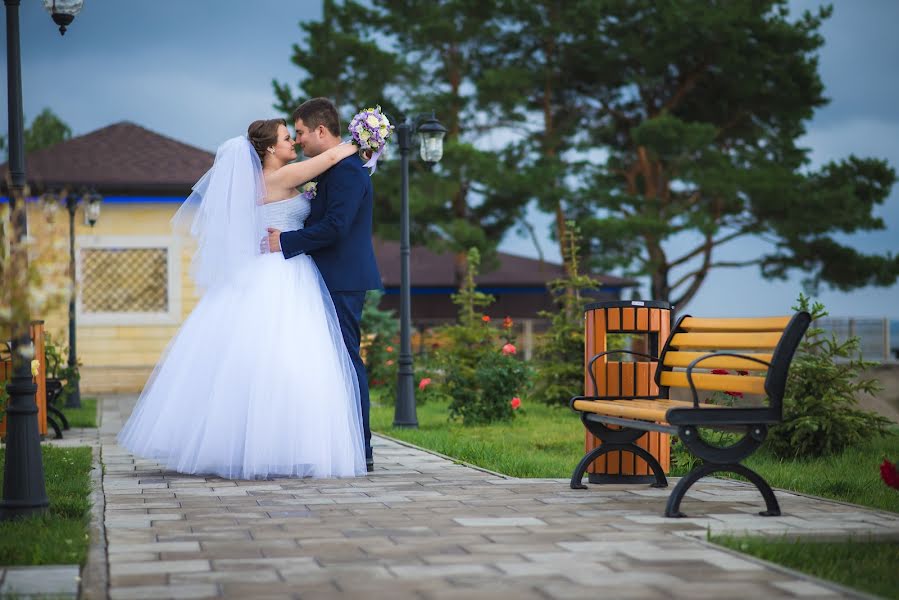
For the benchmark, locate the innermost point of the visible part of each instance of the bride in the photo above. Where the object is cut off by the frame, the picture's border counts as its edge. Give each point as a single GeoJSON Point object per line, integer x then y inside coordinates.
{"type": "Point", "coordinates": [257, 382]}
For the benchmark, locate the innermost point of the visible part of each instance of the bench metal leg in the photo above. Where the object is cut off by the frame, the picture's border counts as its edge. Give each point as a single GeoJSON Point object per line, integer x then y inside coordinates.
{"type": "Point", "coordinates": [56, 430]}
{"type": "Point", "coordinates": [680, 490]}
{"type": "Point", "coordinates": [59, 415]}
{"type": "Point", "coordinates": [606, 447]}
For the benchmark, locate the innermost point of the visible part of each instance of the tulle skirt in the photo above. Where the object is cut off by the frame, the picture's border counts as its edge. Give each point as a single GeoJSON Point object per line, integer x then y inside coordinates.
{"type": "Point", "coordinates": [257, 383]}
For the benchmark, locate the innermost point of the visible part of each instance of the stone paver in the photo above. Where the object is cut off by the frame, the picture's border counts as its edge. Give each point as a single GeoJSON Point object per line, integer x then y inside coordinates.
{"type": "Point", "coordinates": [422, 526]}
{"type": "Point", "coordinates": [44, 581]}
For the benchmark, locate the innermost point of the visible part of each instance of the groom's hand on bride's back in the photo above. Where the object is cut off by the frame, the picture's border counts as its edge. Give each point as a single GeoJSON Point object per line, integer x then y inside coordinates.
{"type": "Point", "coordinates": [272, 242]}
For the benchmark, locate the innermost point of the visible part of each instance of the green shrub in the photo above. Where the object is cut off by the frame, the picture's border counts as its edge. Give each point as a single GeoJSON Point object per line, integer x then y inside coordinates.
{"type": "Point", "coordinates": [472, 368]}
{"type": "Point", "coordinates": [379, 332]}
{"type": "Point", "coordinates": [820, 413]}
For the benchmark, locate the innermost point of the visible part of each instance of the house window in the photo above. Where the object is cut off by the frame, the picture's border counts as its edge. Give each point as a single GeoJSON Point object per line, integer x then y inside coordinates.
{"type": "Point", "coordinates": [128, 280]}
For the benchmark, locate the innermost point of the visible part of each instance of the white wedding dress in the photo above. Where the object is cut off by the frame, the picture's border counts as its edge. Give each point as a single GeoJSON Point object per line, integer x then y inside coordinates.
{"type": "Point", "coordinates": [258, 382]}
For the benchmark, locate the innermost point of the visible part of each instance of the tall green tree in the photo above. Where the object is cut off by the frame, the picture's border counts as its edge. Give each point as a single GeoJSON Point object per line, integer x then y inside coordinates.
{"type": "Point", "coordinates": [46, 130]}
{"type": "Point", "coordinates": [700, 105]}
{"type": "Point", "coordinates": [426, 59]}
{"type": "Point", "coordinates": [532, 83]}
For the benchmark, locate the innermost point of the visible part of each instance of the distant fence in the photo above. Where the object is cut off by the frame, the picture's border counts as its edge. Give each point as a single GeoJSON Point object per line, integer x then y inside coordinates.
{"type": "Point", "coordinates": [877, 344]}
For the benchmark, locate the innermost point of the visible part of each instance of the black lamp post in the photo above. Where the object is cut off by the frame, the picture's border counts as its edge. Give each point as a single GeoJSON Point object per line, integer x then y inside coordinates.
{"type": "Point", "coordinates": [23, 471]}
{"type": "Point", "coordinates": [91, 202]}
{"type": "Point", "coordinates": [431, 133]}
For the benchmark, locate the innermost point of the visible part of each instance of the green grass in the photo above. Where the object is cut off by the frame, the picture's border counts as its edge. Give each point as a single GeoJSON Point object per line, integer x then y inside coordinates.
{"type": "Point", "coordinates": [865, 565]}
{"type": "Point", "coordinates": [852, 476]}
{"type": "Point", "coordinates": [540, 442]}
{"type": "Point", "coordinates": [86, 416]}
{"type": "Point", "coordinates": [59, 536]}
{"type": "Point", "coordinates": [548, 442]}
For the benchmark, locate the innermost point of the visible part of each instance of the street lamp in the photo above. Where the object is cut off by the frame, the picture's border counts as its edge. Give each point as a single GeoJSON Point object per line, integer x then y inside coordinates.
{"type": "Point", "coordinates": [63, 12]}
{"type": "Point", "coordinates": [91, 202]}
{"type": "Point", "coordinates": [431, 133]}
{"type": "Point", "coordinates": [23, 471]}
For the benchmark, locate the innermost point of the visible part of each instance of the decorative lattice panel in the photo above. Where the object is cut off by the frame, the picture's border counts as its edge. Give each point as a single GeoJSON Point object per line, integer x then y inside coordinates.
{"type": "Point", "coordinates": [124, 280]}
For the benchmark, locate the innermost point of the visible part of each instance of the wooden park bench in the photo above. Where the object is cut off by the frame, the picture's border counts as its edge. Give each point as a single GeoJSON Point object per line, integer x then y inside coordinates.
{"type": "Point", "coordinates": [762, 346]}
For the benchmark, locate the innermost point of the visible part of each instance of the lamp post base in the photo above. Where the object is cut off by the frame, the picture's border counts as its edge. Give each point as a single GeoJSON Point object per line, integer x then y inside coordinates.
{"type": "Point", "coordinates": [24, 493]}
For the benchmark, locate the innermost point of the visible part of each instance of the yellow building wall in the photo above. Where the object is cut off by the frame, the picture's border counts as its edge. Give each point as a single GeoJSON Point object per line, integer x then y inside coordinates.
{"type": "Point", "coordinates": [119, 358]}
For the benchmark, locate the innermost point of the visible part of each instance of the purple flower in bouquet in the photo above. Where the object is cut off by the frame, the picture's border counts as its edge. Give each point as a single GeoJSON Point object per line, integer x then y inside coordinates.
{"type": "Point", "coordinates": [309, 190]}
{"type": "Point", "coordinates": [370, 129]}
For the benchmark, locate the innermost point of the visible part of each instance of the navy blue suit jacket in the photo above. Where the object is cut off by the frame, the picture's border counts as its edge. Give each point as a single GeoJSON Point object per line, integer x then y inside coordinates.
{"type": "Point", "coordinates": [337, 233]}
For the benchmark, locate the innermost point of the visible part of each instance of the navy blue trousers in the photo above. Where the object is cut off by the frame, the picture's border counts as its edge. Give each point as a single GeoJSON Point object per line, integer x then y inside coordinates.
{"type": "Point", "coordinates": [348, 306]}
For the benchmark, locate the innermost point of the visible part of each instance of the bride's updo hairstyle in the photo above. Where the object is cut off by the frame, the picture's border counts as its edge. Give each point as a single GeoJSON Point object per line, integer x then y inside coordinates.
{"type": "Point", "coordinates": [264, 134]}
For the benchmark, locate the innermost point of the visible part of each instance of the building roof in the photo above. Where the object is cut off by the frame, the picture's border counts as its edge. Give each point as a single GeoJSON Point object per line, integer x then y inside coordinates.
{"type": "Point", "coordinates": [429, 269]}
{"type": "Point", "coordinates": [120, 159]}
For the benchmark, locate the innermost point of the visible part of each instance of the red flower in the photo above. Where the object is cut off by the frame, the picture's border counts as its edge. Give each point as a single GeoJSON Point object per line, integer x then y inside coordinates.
{"type": "Point", "coordinates": [509, 349]}
{"type": "Point", "coordinates": [734, 394]}
{"type": "Point", "coordinates": [389, 362]}
{"type": "Point", "coordinates": [425, 382]}
{"type": "Point", "coordinates": [485, 319]}
{"type": "Point", "coordinates": [516, 402]}
{"type": "Point", "coordinates": [889, 474]}
{"type": "Point", "coordinates": [389, 348]}
{"type": "Point", "coordinates": [720, 372]}
{"type": "Point", "coordinates": [507, 323]}
{"type": "Point", "coordinates": [741, 372]}
{"type": "Point", "coordinates": [435, 345]}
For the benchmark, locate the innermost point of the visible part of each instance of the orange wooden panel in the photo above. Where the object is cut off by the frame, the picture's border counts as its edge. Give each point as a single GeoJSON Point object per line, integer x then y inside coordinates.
{"type": "Point", "coordinates": [683, 359]}
{"type": "Point", "coordinates": [640, 466]}
{"type": "Point", "coordinates": [749, 384]}
{"type": "Point", "coordinates": [739, 324]}
{"type": "Point", "coordinates": [664, 328]}
{"type": "Point", "coordinates": [721, 341]}
{"type": "Point", "coordinates": [628, 319]}
{"type": "Point", "coordinates": [655, 319]}
{"type": "Point", "coordinates": [596, 343]}
{"type": "Point", "coordinates": [642, 319]}
{"type": "Point", "coordinates": [588, 348]}
{"type": "Point", "coordinates": [614, 319]}
{"type": "Point", "coordinates": [644, 410]}
{"type": "Point", "coordinates": [628, 385]}
{"type": "Point", "coordinates": [613, 382]}
{"type": "Point", "coordinates": [37, 338]}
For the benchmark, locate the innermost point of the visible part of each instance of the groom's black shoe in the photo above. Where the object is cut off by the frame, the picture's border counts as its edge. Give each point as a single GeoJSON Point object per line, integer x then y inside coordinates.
{"type": "Point", "coordinates": [369, 464]}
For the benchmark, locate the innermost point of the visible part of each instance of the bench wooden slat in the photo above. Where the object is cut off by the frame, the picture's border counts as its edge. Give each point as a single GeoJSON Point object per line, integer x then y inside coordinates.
{"type": "Point", "coordinates": [683, 359]}
{"type": "Point", "coordinates": [644, 410]}
{"type": "Point", "coordinates": [725, 341]}
{"type": "Point", "coordinates": [740, 324]}
{"type": "Point", "coordinates": [748, 384]}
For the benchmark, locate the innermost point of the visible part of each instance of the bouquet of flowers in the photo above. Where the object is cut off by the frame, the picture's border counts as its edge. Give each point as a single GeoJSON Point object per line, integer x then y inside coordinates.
{"type": "Point", "coordinates": [370, 129]}
{"type": "Point", "coordinates": [309, 190]}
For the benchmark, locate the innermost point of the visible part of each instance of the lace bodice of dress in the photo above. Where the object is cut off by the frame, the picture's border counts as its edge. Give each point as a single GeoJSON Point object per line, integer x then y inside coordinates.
{"type": "Point", "coordinates": [287, 215]}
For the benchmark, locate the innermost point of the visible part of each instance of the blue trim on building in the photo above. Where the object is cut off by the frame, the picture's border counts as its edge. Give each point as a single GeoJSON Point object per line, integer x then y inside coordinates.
{"type": "Point", "coordinates": [442, 291]}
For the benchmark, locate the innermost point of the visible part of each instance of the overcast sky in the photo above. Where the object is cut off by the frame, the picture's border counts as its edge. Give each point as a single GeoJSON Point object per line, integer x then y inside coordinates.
{"type": "Point", "coordinates": [201, 70]}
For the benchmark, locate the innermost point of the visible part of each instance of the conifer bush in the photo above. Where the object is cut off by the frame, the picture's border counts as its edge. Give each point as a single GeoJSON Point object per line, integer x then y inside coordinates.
{"type": "Point", "coordinates": [820, 406]}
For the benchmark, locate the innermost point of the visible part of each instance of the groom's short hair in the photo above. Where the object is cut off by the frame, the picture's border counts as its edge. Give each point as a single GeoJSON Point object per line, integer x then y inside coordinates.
{"type": "Point", "coordinates": [318, 111]}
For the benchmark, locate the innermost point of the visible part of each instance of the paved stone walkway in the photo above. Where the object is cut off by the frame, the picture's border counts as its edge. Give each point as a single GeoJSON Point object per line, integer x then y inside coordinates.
{"type": "Point", "coordinates": [424, 527]}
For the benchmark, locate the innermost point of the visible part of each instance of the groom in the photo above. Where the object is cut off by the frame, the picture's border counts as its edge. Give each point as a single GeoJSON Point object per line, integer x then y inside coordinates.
{"type": "Point", "coordinates": [337, 234]}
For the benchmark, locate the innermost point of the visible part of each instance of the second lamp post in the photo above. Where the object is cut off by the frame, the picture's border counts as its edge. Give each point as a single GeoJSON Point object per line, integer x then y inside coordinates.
{"type": "Point", "coordinates": [91, 214]}
{"type": "Point", "coordinates": [431, 133]}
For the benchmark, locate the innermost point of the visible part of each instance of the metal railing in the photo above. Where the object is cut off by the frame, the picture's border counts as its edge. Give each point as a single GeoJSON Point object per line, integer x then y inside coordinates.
{"type": "Point", "coordinates": [878, 342]}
